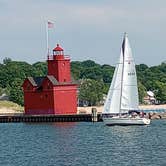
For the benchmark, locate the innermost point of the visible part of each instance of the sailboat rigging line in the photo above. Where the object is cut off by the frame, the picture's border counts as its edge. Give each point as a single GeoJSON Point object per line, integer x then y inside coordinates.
{"type": "Point", "coordinates": [123, 53]}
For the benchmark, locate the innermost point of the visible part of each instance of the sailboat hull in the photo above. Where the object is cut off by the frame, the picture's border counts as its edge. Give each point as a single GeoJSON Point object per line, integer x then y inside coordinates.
{"type": "Point", "coordinates": [126, 121]}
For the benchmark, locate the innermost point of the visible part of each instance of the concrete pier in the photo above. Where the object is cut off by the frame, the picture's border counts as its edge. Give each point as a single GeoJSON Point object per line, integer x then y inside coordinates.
{"type": "Point", "coordinates": [8, 118]}
{"type": "Point", "coordinates": [93, 117]}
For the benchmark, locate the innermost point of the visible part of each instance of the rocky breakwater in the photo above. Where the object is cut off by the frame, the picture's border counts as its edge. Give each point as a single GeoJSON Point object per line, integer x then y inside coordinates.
{"type": "Point", "coordinates": [157, 116]}
{"type": "Point", "coordinates": [151, 111]}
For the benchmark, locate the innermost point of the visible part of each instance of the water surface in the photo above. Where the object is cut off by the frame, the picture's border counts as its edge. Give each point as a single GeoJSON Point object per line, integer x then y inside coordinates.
{"type": "Point", "coordinates": [82, 144]}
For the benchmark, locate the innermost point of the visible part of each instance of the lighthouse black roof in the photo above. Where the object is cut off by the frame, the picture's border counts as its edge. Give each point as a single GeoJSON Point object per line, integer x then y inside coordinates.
{"type": "Point", "coordinates": [37, 81]}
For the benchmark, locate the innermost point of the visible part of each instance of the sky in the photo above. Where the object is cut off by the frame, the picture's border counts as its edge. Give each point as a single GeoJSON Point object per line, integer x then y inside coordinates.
{"type": "Point", "coordinates": [85, 29]}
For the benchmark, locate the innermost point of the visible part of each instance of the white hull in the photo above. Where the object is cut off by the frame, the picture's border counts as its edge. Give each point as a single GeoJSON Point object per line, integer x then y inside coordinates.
{"type": "Point", "coordinates": [126, 121]}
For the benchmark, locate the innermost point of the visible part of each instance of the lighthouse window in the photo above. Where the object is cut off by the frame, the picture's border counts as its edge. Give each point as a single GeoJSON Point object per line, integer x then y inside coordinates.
{"type": "Point", "coordinates": [58, 52]}
{"type": "Point", "coordinates": [48, 86]}
{"type": "Point", "coordinates": [63, 64]}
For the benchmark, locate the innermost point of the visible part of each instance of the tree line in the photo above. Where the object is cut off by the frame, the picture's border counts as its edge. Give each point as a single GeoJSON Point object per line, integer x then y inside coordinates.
{"type": "Point", "coordinates": [94, 79]}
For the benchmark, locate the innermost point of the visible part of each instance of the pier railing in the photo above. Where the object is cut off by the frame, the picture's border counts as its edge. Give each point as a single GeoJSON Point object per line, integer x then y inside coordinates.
{"type": "Point", "coordinates": [51, 57]}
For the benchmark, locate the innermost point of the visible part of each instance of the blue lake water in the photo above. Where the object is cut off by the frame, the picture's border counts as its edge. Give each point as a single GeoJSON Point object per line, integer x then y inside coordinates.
{"type": "Point", "coordinates": [82, 144]}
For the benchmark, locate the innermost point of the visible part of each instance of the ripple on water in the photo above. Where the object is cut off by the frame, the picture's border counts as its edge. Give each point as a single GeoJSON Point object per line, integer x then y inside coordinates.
{"type": "Point", "coordinates": [79, 144]}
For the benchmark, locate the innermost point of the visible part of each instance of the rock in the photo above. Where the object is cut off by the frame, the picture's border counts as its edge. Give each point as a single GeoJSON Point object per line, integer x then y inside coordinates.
{"type": "Point", "coordinates": [155, 116]}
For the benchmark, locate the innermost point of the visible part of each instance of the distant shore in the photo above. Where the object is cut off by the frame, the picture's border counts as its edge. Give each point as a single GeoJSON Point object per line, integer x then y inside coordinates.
{"type": "Point", "coordinates": [87, 110]}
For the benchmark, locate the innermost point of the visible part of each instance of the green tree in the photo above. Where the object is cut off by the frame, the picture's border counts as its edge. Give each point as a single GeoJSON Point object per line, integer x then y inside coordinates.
{"type": "Point", "coordinates": [160, 91]}
{"type": "Point", "coordinates": [107, 73]}
{"type": "Point", "coordinates": [89, 63]}
{"type": "Point", "coordinates": [76, 69]}
{"type": "Point", "coordinates": [4, 91]}
{"type": "Point", "coordinates": [141, 91]}
{"type": "Point", "coordinates": [39, 69]}
{"type": "Point", "coordinates": [91, 91]}
{"type": "Point", "coordinates": [16, 93]}
{"type": "Point", "coordinates": [91, 73]}
{"type": "Point", "coordinates": [6, 61]}
{"type": "Point", "coordinates": [1, 91]}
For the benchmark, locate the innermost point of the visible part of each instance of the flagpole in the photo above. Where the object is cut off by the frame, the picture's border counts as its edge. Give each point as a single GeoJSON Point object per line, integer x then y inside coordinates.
{"type": "Point", "coordinates": [49, 24]}
{"type": "Point", "coordinates": [47, 38]}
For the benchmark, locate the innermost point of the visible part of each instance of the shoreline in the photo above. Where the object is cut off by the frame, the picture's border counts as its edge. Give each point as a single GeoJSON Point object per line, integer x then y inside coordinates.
{"type": "Point", "coordinates": [87, 110]}
{"type": "Point", "coordinates": [6, 110]}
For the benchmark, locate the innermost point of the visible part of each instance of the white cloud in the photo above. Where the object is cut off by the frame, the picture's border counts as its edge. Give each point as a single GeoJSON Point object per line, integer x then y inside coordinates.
{"type": "Point", "coordinates": [98, 24]}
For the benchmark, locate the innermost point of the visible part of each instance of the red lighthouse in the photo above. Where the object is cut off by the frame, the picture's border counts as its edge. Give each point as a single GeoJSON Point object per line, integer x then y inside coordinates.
{"type": "Point", "coordinates": [55, 93]}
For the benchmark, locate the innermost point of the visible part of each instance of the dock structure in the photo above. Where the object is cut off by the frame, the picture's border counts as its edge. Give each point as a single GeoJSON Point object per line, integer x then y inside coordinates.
{"type": "Point", "coordinates": [94, 117]}
{"type": "Point", "coordinates": [16, 118]}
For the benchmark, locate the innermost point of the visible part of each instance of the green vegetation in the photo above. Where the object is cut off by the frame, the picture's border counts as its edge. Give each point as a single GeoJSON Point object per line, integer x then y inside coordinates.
{"type": "Point", "coordinates": [91, 91]}
{"type": "Point", "coordinates": [94, 79]}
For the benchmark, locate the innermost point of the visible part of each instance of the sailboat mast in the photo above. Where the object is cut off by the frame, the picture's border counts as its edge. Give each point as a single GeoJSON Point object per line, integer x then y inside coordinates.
{"type": "Point", "coordinates": [123, 53]}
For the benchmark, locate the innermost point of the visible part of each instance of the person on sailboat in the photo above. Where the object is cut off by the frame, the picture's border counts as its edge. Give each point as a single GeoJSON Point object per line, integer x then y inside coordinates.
{"type": "Point", "coordinates": [141, 114]}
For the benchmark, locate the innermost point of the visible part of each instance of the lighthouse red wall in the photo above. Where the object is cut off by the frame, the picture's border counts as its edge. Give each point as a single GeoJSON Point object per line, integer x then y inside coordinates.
{"type": "Point", "coordinates": [65, 99]}
{"type": "Point", "coordinates": [39, 100]}
{"type": "Point", "coordinates": [59, 67]}
{"type": "Point", "coordinates": [62, 100]}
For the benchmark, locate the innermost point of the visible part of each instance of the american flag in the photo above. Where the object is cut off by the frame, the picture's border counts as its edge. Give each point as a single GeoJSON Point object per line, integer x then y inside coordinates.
{"type": "Point", "coordinates": [50, 24]}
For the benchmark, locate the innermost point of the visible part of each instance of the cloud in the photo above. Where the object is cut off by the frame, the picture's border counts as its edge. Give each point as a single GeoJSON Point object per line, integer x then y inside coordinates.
{"type": "Point", "coordinates": [92, 25]}
{"type": "Point", "coordinates": [28, 14]}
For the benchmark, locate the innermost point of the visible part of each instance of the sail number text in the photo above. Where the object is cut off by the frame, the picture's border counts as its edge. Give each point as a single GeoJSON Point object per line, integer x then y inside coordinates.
{"type": "Point", "coordinates": [131, 73]}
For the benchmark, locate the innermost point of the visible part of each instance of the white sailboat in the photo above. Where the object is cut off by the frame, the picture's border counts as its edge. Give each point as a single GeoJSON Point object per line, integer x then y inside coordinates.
{"type": "Point", "coordinates": [122, 96]}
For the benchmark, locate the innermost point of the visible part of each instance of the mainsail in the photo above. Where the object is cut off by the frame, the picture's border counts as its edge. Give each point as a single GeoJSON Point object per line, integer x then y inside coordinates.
{"type": "Point", "coordinates": [123, 93]}
{"type": "Point", "coordinates": [129, 87]}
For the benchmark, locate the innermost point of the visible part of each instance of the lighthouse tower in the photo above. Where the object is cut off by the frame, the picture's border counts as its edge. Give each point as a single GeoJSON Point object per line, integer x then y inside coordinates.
{"type": "Point", "coordinates": [55, 93]}
{"type": "Point", "coordinates": [59, 65]}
